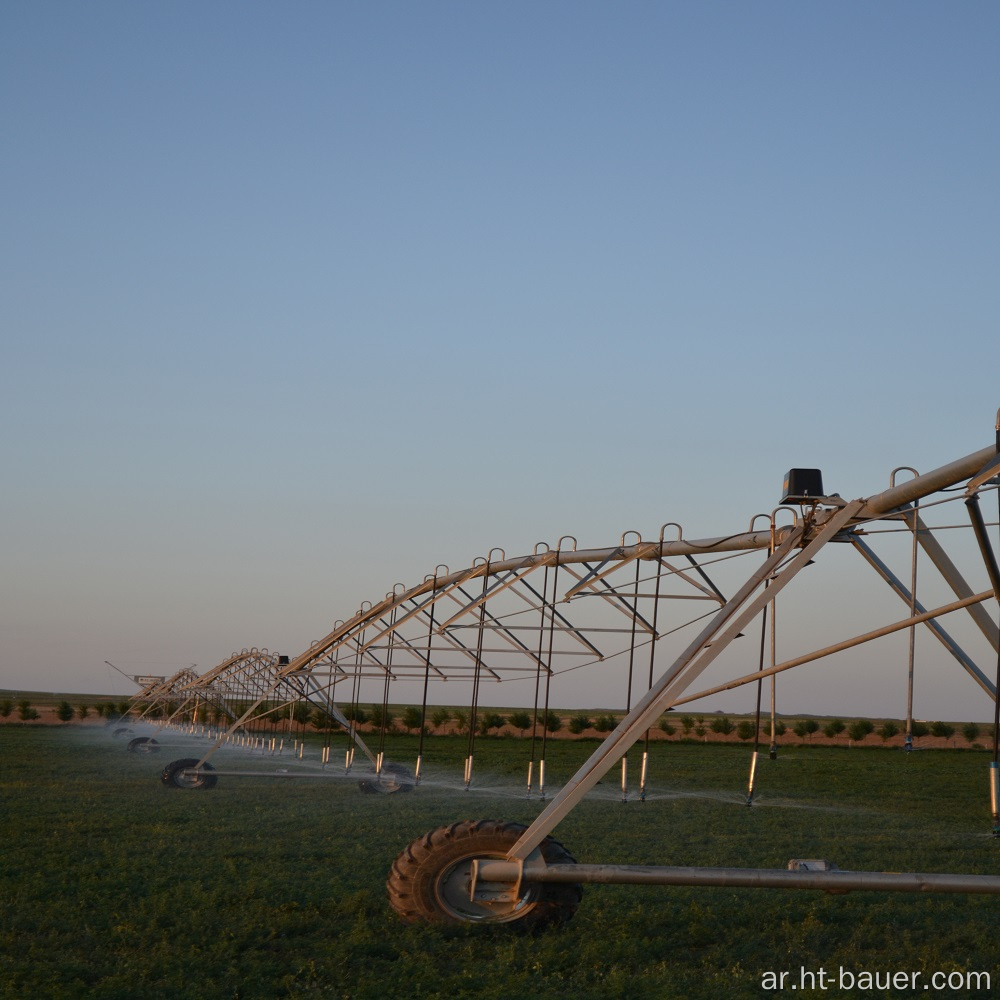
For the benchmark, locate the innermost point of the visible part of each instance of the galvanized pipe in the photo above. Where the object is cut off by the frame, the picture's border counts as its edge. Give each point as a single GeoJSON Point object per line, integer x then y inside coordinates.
{"type": "Point", "coordinates": [745, 878]}
{"type": "Point", "coordinates": [928, 483]}
{"type": "Point", "coordinates": [835, 648]}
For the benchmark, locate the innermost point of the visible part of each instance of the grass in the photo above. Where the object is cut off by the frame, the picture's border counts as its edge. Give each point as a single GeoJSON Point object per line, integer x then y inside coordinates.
{"type": "Point", "coordinates": [118, 887]}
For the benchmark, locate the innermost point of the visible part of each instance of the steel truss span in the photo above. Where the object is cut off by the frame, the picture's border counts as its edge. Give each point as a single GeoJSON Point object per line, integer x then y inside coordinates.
{"type": "Point", "coordinates": [661, 613]}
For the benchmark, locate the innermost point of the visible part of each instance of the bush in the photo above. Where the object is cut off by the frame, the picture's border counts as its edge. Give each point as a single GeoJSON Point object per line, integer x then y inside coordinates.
{"type": "Point", "coordinates": [942, 730]}
{"type": "Point", "coordinates": [746, 730]}
{"type": "Point", "coordinates": [320, 719]}
{"type": "Point", "coordinates": [64, 711]}
{"type": "Point", "coordinates": [6, 707]}
{"type": "Point", "coordinates": [25, 712]}
{"type": "Point", "coordinates": [887, 730]}
{"type": "Point", "coordinates": [687, 724]}
{"type": "Point", "coordinates": [780, 728]}
{"type": "Point", "coordinates": [461, 720]}
{"type": "Point", "coordinates": [834, 728]}
{"type": "Point", "coordinates": [553, 723]}
{"type": "Point", "coordinates": [381, 717]}
{"type": "Point", "coordinates": [722, 724]}
{"type": "Point", "coordinates": [804, 728]}
{"type": "Point", "coordinates": [83, 711]}
{"type": "Point", "coordinates": [605, 723]}
{"type": "Point", "coordinates": [355, 713]}
{"type": "Point", "coordinates": [412, 717]}
{"type": "Point", "coordinates": [859, 729]}
{"type": "Point", "coordinates": [971, 732]}
{"type": "Point", "coordinates": [521, 721]}
{"type": "Point", "coordinates": [578, 723]}
{"type": "Point", "coordinates": [919, 730]}
{"type": "Point", "coordinates": [440, 718]}
{"type": "Point", "coordinates": [665, 726]}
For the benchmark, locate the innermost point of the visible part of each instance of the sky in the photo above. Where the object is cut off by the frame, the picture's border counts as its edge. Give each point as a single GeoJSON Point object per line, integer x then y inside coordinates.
{"type": "Point", "coordinates": [301, 300]}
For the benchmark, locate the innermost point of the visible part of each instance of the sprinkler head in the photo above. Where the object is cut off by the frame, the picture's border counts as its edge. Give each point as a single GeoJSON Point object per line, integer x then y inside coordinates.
{"type": "Point", "coordinates": [773, 752]}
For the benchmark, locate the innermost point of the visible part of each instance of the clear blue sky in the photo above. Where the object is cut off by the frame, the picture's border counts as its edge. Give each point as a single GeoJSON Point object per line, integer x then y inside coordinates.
{"type": "Point", "coordinates": [301, 299]}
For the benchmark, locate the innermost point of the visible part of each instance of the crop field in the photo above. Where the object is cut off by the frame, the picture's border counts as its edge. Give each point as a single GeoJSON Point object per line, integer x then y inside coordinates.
{"type": "Point", "coordinates": [115, 886]}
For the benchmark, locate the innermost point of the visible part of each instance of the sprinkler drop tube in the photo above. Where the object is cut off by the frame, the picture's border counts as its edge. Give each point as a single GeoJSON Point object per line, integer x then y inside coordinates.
{"type": "Point", "coordinates": [753, 773]}
{"type": "Point", "coordinates": [541, 779]}
{"type": "Point", "coordinates": [468, 771]}
{"type": "Point", "coordinates": [378, 762]}
{"type": "Point", "coordinates": [995, 796]}
{"type": "Point", "coordinates": [624, 779]}
{"type": "Point", "coordinates": [642, 776]}
{"type": "Point", "coordinates": [416, 770]}
{"type": "Point", "coordinates": [531, 766]}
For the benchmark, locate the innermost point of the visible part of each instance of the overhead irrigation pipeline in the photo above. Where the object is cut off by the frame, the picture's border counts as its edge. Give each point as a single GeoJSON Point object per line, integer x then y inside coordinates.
{"type": "Point", "coordinates": [981, 464]}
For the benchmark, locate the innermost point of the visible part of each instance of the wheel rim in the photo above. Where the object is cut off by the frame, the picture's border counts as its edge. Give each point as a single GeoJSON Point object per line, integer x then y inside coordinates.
{"type": "Point", "coordinates": [451, 889]}
{"type": "Point", "coordinates": [187, 777]}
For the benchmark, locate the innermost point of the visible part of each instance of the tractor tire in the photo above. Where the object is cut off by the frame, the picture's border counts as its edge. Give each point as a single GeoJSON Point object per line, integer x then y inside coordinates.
{"type": "Point", "coordinates": [174, 776]}
{"type": "Point", "coordinates": [430, 879]}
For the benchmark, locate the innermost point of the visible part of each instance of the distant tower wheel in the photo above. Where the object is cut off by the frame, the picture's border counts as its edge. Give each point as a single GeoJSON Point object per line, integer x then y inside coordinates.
{"type": "Point", "coordinates": [143, 744]}
{"type": "Point", "coordinates": [431, 880]}
{"type": "Point", "coordinates": [185, 773]}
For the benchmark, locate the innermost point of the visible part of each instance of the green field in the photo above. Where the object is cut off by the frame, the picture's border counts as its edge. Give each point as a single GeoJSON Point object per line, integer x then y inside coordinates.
{"type": "Point", "coordinates": [115, 886]}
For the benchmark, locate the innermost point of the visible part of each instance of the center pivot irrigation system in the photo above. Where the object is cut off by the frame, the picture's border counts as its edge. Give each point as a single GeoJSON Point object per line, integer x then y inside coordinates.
{"type": "Point", "coordinates": [658, 614]}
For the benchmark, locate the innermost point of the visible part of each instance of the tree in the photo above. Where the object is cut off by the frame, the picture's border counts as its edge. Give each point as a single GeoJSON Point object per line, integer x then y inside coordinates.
{"type": "Point", "coordinates": [440, 718]}
{"type": "Point", "coordinates": [490, 720]}
{"type": "Point", "coordinates": [722, 724]}
{"type": "Point", "coordinates": [859, 729]}
{"type": "Point", "coordinates": [320, 719]}
{"type": "Point", "coordinates": [578, 723]}
{"type": "Point", "coordinates": [521, 721]}
{"type": "Point", "coordinates": [971, 732]}
{"type": "Point", "coordinates": [665, 726]}
{"type": "Point", "coordinates": [83, 711]}
{"type": "Point", "coordinates": [700, 731]}
{"type": "Point", "coordinates": [779, 728]}
{"type": "Point", "coordinates": [887, 730]}
{"type": "Point", "coordinates": [64, 711]}
{"type": "Point", "coordinates": [412, 718]}
{"type": "Point", "coordinates": [461, 720]}
{"type": "Point", "coordinates": [745, 730]}
{"type": "Point", "coordinates": [25, 712]}
{"type": "Point", "coordinates": [356, 714]}
{"type": "Point", "coordinates": [942, 730]}
{"type": "Point", "coordinates": [919, 729]}
{"type": "Point", "coordinates": [605, 723]}
{"type": "Point", "coordinates": [687, 724]}
{"type": "Point", "coordinates": [834, 728]}
{"type": "Point", "coordinates": [553, 723]}
{"type": "Point", "coordinates": [6, 707]}
{"type": "Point", "coordinates": [381, 717]}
